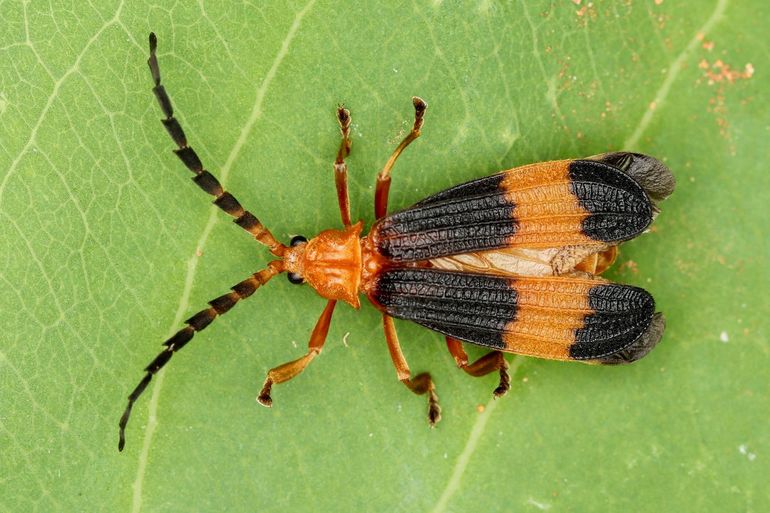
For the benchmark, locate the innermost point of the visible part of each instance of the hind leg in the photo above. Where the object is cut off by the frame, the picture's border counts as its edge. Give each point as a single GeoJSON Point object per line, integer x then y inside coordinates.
{"type": "Point", "coordinates": [490, 362]}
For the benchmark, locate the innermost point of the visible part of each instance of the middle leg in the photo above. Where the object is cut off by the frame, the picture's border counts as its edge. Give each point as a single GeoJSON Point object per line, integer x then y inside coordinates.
{"type": "Point", "coordinates": [340, 168]}
{"type": "Point", "coordinates": [422, 383]}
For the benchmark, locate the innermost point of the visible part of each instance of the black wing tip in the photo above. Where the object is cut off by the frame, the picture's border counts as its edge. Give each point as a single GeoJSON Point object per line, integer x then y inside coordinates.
{"type": "Point", "coordinates": [645, 343]}
{"type": "Point", "coordinates": [622, 325]}
{"type": "Point", "coordinates": [618, 192]}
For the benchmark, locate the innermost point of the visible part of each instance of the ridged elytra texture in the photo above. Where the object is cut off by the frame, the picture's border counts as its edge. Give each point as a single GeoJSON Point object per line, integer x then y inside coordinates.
{"type": "Point", "coordinates": [471, 307]}
{"type": "Point", "coordinates": [618, 206]}
{"type": "Point", "coordinates": [469, 217]}
{"type": "Point", "coordinates": [622, 314]}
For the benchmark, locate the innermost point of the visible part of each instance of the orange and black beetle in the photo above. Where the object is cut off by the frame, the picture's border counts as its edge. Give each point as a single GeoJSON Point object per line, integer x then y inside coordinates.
{"type": "Point", "coordinates": [508, 262]}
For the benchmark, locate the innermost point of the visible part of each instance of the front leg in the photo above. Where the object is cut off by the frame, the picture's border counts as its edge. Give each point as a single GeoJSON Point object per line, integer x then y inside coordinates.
{"type": "Point", "coordinates": [422, 383]}
{"type": "Point", "coordinates": [383, 178]}
{"type": "Point", "coordinates": [289, 370]}
{"type": "Point", "coordinates": [340, 168]}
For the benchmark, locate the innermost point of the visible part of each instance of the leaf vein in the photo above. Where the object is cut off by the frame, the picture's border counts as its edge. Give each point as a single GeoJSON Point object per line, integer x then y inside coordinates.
{"type": "Point", "coordinates": [673, 73]}
{"type": "Point", "coordinates": [74, 68]}
{"type": "Point", "coordinates": [470, 447]}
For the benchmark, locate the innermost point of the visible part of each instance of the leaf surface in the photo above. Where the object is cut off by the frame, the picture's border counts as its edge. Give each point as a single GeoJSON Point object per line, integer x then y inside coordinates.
{"type": "Point", "coordinates": [107, 247]}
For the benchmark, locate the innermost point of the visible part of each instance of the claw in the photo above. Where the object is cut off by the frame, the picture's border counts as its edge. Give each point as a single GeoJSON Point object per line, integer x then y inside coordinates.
{"type": "Point", "coordinates": [505, 383]}
{"type": "Point", "coordinates": [434, 410]}
{"type": "Point", "coordinates": [264, 395]}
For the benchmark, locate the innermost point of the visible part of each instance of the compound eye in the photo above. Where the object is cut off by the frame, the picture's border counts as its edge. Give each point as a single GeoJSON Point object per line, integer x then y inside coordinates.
{"type": "Point", "coordinates": [295, 278]}
{"type": "Point", "coordinates": [297, 239]}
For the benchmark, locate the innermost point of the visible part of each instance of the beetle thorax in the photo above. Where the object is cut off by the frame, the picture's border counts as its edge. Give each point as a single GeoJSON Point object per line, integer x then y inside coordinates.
{"type": "Point", "coordinates": [330, 263]}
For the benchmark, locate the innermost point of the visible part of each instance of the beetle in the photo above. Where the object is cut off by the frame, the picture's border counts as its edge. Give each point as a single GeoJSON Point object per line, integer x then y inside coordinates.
{"type": "Point", "coordinates": [509, 262]}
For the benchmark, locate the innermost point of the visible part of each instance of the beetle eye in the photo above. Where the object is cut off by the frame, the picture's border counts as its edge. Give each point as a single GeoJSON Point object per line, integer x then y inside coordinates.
{"type": "Point", "coordinates": [297, 239]}
{"type": "Point", "coordinates": [295, 278]}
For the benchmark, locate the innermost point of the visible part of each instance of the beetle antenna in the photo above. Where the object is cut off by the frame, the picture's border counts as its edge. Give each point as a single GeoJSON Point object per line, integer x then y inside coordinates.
{"type": "Point", "coordinates": [203, 178]}
{"type": "Point", "coordinates": [196, 323]}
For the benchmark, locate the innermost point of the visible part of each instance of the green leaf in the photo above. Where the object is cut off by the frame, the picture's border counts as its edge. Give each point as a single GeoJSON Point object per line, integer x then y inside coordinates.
{"type": "Point", "coordinates": [107, 247]}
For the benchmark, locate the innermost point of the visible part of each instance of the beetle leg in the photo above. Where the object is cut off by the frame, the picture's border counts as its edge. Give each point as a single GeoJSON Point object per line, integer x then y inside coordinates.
{"type": "Point", "coordinates": [420, 384]}
{"type": "Point", "coordinates": [383, 178]}
{"type": "Point", "coordinates": [340, 168]}
{"type": "Point", "coordinates": [290, 369]}
{"type": "Point", "coordinates": [605, 259]}
{"type": "Point", "coordinates": [490, 362]}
